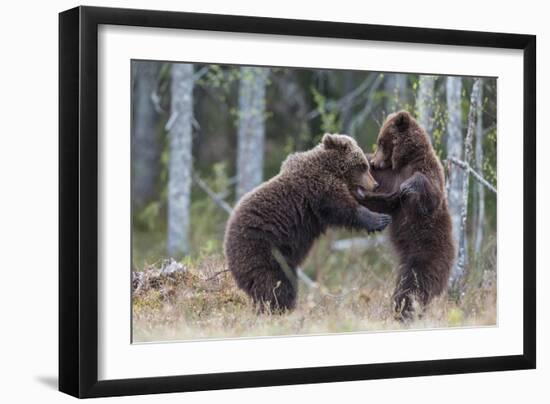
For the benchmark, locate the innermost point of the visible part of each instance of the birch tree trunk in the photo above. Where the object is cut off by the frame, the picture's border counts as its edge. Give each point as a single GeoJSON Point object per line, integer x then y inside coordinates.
{"type": "Point", "coordinates": [458, 271]}
{"type": "Point", "coordinates": [180, 164]}
{"type": "Point", "coordinates": [454, 149]}
{"type": "Point", "coordinates": [425, 103]}
{"type": "Point", "coordinates": [395, 86]}
{"type": "Point", "coordinates": [145, 148]}
{"type": "Point", "coordinates": [251, 130]}
{"type": "Point", "coordinates": [347, 113]}
{"type": "Point", "coordinates": [480, 218]}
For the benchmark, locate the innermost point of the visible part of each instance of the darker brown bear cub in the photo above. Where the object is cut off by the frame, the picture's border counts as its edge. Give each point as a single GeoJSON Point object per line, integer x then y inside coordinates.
{"type": "Point", "coordinates": [274, 226]}
{"type": "Point", "coordinates": [412, 190]}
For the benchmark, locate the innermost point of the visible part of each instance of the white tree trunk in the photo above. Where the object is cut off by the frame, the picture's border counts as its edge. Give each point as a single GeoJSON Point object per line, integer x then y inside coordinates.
{"type": "Point", "coordinates": [145, 148]}
{"type": "Point", "coordinates": [425, 103]}
{"type": "Point", "coordinates": [395, 86]}
{"type": "Point", "coordinates": [251, 131]}
{"type": "Point", "coordinates": [347, 109]}
{"type": "Point", "coordinates": [181, 162]}
{"type": "Point", "coordinates": [454, 149]}
{"type": "Point", "coordinates": [479, 167]}
{"type": "Point", "coordinates": [457, 274]}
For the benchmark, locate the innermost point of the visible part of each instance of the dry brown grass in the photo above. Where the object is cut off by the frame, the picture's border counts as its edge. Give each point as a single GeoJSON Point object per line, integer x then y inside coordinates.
{"type": "Point", "coordinates": [203, 302]}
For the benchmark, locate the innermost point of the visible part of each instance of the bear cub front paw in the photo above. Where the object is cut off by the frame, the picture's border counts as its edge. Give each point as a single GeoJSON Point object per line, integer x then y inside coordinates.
{"type": "Point", "coordinates": [372, 221]}
{"type": "Point", "coordinates": [407, 189]}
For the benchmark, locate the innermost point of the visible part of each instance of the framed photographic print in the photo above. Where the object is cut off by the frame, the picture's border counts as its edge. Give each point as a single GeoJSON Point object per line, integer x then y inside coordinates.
{"type": "Point", "coordinates": [252, 201]}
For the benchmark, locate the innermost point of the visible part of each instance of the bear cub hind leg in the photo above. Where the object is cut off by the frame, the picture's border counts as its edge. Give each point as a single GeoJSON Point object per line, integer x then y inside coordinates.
{"type": "Point", "coordinates": [273, 292]}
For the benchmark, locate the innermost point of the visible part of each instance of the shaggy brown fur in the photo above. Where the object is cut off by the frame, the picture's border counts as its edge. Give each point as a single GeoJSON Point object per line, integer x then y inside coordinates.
{"type": "Point", "coordinates": [274, 226]}
{"type": "Point", "coordinates": [412, 190]}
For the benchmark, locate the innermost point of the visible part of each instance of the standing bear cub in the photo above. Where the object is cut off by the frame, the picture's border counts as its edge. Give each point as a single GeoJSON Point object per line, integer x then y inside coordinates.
{"type": "Point", "coordinates": [274, 226]}
{"type": "Point", "coordinates": [412, 190]}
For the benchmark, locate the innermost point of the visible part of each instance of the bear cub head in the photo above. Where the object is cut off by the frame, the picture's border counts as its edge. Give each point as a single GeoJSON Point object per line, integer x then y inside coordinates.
{"type": "Point", "coordinates": [400, 141]}
{"type": "Point", "coordinates": [349, 164]}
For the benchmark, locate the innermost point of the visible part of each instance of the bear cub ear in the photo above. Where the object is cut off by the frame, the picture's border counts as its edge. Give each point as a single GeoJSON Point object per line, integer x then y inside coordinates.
{"type": "Point", "coordinates": [402, 120]}
{"type": "Point", "coordinates": [331, 141]}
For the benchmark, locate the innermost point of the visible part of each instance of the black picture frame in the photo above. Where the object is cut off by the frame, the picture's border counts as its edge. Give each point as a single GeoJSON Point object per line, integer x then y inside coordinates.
{"type": "Point", "coordinates": [78, 201]}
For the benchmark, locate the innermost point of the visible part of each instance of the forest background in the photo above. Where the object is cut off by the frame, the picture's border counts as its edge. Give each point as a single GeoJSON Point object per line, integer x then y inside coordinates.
{"type": "Point", "coordinates": [203, 135]}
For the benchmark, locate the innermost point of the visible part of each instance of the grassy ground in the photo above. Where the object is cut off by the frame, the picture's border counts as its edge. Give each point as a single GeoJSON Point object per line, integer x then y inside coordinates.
{"type": "Point", "coordinates": [353, 294]}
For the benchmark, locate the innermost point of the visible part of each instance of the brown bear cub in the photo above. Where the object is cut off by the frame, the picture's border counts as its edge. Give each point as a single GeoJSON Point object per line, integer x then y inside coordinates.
{"type": "Point", "coordinates": [412, 190]}
{"type": "Point", "coordinates": [273, 227]}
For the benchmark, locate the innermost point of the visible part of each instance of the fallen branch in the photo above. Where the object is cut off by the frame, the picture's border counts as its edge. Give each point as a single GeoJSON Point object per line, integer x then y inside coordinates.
{"type": "Point", "coordinates": [476, 175]}
{"type": "Point", "coordinates": [217, 274]}
{"type": "Point", "coordinates": [356, 242]}
{"type": "Point", "coordinates": [306, 279]}
{"type": "Point", "coordinates": [214, 196]}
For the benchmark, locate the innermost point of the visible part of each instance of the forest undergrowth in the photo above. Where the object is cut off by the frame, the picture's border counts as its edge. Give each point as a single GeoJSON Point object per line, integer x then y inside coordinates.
{"type": "Point", "coordinates": [198, 298]}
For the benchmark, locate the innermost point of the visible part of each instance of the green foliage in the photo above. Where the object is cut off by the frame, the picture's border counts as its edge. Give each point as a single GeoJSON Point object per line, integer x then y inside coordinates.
{"type": "Point", "coordinates": [148, 247]}
{"type": "Point", "coordinates": [439, 128]}
{"type": "Point", "coordinates": [329, 120]}
{"type": "Point", "coordinates": [220, 78]}
{"type": "Point", "coordinates": [489, 162]}
{"type": "Point", "coordinates": [220, 180]}
{"type": "Point", "coordinates": [455, 317]}
{"type": "Point", "coordinates": [207, 219]}
{"type": "Point", "coordinates": [148, 218]}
